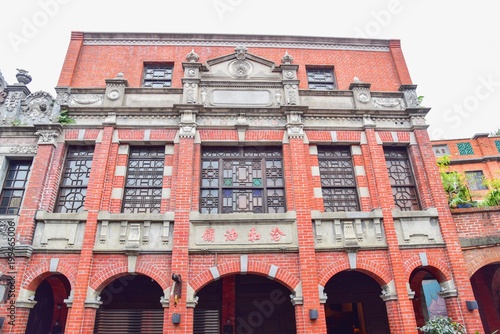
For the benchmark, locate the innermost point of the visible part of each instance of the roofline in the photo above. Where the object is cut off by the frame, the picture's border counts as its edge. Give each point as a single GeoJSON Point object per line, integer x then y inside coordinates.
{"type": "Point", "coordinates": [277, 41]}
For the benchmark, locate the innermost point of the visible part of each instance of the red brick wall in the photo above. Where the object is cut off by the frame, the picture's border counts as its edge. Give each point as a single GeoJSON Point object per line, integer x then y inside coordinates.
{"type": "Point", "coordinates": [386, 71]}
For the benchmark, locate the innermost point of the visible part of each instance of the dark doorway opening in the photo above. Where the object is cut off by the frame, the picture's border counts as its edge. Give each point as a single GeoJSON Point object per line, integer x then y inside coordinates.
{"type": "Point", "coordinates": [244, 304]}
{"type": "Point", "coordinates": [50, 312]}
{"type": "Point", "coordinates": [130, 304]}
{"type": "Point", "coordinates": [486, 286]}
{"type": "Point", "coordinates": [354, 305]}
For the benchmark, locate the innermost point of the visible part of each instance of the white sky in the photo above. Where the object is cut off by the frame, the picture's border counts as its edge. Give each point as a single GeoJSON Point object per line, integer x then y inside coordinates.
{"type": "Point", "coordinates": [452, 47]}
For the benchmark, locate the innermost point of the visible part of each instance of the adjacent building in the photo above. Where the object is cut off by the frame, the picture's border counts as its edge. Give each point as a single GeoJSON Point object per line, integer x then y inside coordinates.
{"type": "Point", "coordinates": [477, 158]}
{"type": "Point", "coordinates": [199, 183]}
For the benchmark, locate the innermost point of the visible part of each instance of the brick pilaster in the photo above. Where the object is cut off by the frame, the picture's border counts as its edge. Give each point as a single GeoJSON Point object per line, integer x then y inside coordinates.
{"type": "Point", "coordinates": [80, 319]}
{"type": "Point", "coordinates": [185, 153]}
{"type": "Point", "coordinates": [396, 309]}
{"type": "Point", "coordinates": [456, 305]}
{"type": "Point", "coordinates": [26, 226]}
{"type": "Point", "coordinates": [299, 157]}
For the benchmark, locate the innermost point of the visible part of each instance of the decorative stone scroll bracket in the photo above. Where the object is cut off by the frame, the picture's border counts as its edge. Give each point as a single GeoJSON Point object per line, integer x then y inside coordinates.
{"type": "Point", "coordinates": [389, 292]}
{"type": "Point", "coordinates": [26, 299]}
{"type": "Point", "coordinates": [448, 289]}
{"type": "Point", "coordinates": [296, 297]}
{"type": "Point", "coordinates": [187, 126]}
{"type": "Point", "coordinates": [294, 126]}
{"type": "Point", "coordinates": [93, 299]}
{"type": "Point", "coordinates": [48, 134]}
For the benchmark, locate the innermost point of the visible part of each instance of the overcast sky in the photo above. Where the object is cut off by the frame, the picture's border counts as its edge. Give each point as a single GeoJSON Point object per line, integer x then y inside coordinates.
{"type": "Point", "coordinates": [452, 47]}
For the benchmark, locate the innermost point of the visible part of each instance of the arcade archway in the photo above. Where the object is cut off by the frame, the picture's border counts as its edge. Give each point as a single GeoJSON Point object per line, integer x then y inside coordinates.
{"type": "Point", "coordinates": [130, 304]}
{"type": "Point", "coordinates": [354, 305]}
{"type": "Point", "coordinates": [486, 286]}
{"type": "Point", "coordinates": [244, 304]}
{"type": "Point", "coordinates": [50, 312]}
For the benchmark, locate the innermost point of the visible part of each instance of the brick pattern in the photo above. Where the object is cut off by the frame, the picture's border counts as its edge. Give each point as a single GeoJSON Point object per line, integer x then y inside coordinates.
{"type": "Point", "coordinates": [386, 71]}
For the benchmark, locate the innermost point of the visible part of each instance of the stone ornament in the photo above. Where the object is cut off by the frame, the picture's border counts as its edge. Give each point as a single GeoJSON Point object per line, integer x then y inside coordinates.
{"type": "Point", "coordinates": [390, 103]}
{"type": "Point", "coordinates": [86, 99]}
{"type": "Point", "coordinates": [363, 98]}
{"type": "Point", "coordinates": [286, 59]}
{"type": "Point", "coordinates": [192, 57]}
{"type": "Point", "coordinates": [289, 74]}
{"type": "Point", "coordinates": [191, 72]}
{"type": "Point", "coordinates": [240, 68]}
{"type": "Point", "coordinates": [241, 52]}
{"type": "Point", "coordinates": [4, 227]}
{"type": "Point", "coordinates": [114, 95]}
{"type": "Point", "coordinates": [24, 149]}
{"type": "Point", "coordinates": [38, 108]}
{"type": "Point", "coordinates": [12, 101]}
{"type": "Point", "coordinates": [62, 98]}
{"type": "Point", "coordinates": [23, 77]}
{"type": "Point", "coordinates": [46, 137]}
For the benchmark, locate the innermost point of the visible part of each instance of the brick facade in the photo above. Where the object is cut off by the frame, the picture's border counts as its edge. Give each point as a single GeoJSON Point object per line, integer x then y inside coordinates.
{"type": "Point", "coordinates": [242, 100]}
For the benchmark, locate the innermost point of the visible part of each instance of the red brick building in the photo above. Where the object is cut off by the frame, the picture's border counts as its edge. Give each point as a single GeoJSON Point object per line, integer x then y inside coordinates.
{"type": "Point", "coordinates": [232, 184]}
{"type": "Point", "coordinates": [477, 158]}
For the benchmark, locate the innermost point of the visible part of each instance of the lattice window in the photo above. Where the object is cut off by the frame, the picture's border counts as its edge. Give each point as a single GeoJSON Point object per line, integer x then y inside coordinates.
{"type": "Point", "coordinates": [338, 182]}
{"type": "Point", "coordinates": [475, 180]}
{"type": "Point", "coordinates": [497, 144]}
{"type": "Point", "coordinates": [75, 179]}
{"type": "Point", "coordinates": [143, 187]}
{"type": "Point", "coordinates": [321, 78]}
{"type": "Point", "coordinates": [242, 180]}
{"type": "Point", "coordinates": [401, 178]}
{"type": "Point", "coordinates": [157, 76]}
{"type": "Point", "coordinates": [465, 148]}
{"type": "Point", "coordinates": [14, 186]}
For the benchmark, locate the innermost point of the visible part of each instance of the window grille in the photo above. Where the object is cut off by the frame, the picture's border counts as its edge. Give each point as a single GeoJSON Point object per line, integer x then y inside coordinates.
{"type": "Point", "coordinates": [242, 180]}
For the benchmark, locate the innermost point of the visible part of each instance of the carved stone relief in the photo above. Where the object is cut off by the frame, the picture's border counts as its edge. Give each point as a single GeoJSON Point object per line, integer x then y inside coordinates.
{"type": "Point", "coordinates": [37, 108]}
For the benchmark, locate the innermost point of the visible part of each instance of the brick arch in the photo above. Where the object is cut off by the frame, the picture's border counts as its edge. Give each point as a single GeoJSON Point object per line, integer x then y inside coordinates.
{"type": "Point", "coordinates": [260, 268]}
{"type": "Point", "coordinates": [110, 273]}
{"type": "Point", "coordinates": [374, 270]}
{"type": "Point", "coordinates": [436, 267]}
{"type": "Point", "coordinates": [34, 276]}
{"type": "Point", "coordinates": [478, 258]}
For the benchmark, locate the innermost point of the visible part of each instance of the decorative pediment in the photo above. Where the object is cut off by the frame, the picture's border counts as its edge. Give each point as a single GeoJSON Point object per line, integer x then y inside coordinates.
{"type": "Point", "coordinates": [241, 65]}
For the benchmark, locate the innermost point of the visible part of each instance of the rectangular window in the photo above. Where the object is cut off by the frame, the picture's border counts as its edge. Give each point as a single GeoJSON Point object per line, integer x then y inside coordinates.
{"type": "Point", "coordinates": [246, 179]}
{"type": "Point", "coordinates": [475, 180]}
{"type": "Point", "coordinates": [75, 179]}
{"type": "Point", "coordinates": [157, 76]}
{"type": "Point", "coordinates": [143, 186]}
{"type": "Point", "coordinates": [14, 186]}
{"type": "Point", "coordinates": [465, 148]}
{"type": "Point", "coordinates": [338, 182]}
{"type": "Point", "coordinates": [401, 178]}
{"type": "Point", "coordinates": [321, 78]}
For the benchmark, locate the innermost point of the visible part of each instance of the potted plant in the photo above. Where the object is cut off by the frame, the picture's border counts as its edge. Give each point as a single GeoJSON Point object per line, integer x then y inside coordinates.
{"type": "Point", "coordinates": [442, 325]}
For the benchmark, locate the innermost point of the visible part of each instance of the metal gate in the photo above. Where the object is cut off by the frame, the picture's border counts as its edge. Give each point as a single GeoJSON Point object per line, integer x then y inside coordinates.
{"type": "Point", "coordinates": [206, 322]}
{"type": "Point", "coordinates": [129, 321]}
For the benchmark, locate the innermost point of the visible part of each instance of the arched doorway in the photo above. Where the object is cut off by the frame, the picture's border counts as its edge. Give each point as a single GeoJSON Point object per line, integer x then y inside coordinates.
{"type": "Point", "coordinates": [50, 312]}
{"type": "Point", "coordinates": [486, 286]}
{"type": "Point", "coordinates": [244, 304]}
{"type": "Point", "coordinates": [130, 304]}
{"type": "Point", "coordinates": [427, 301]}
{"type": "Point", "coordinates": [354, 305]}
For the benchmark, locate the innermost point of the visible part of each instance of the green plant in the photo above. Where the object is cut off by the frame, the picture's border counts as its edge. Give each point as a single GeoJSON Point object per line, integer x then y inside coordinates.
{"type": "Point", "coordinates": [454, 183]}
{"type": "Point", "coordinates": [442, 325]}
{"type": "Point", "coordinates": [493, 196]}
{"type": "Point", "coordinates": [64, 117]}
